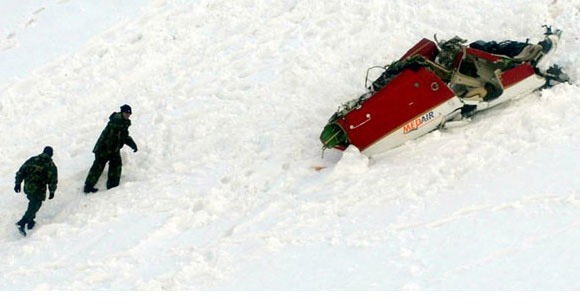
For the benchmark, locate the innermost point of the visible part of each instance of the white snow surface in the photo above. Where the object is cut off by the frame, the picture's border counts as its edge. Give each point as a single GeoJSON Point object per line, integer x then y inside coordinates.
{"type": "Point", "coordinates": [229, 99]}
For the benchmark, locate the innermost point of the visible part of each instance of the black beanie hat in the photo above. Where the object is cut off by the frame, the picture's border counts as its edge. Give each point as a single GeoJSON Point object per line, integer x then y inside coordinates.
{"type": "Point", "coordinates": [126, 108]}
{"type": "Point", "coordinates": [47, 151]}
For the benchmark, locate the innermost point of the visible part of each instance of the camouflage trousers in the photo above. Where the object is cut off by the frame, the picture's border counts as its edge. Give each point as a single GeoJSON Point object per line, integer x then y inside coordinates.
{"type": "Point", "coordinates": [34, 205]}
{"type": "Point", "coordinates": [114, 174]}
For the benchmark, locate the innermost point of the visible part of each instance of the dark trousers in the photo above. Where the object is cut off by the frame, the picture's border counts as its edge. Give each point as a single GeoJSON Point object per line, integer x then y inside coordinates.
{"type": "Point", "coordinates": [34, 205]}
{"type": "Point", "coordinates": [114, 174]}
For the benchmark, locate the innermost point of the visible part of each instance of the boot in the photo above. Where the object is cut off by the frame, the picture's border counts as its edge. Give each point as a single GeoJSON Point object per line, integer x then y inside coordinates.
{"type": "Point", "coordinates": [20, 226]}
{"type": "Point", "coordinates": [90, 189]}
{"type": "Point", "coordinates": [30, 224]}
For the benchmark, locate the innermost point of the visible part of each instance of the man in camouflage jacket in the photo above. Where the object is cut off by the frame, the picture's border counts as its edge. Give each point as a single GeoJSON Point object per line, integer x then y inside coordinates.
{"type": "Point", "coordinates": [37, 172]}
{"type": "Point", "coordinates": [108, 149]}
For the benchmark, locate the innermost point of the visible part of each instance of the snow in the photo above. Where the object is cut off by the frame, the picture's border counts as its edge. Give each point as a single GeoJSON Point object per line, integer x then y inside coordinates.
{"type": "Point", "coordinates": [229, 99]}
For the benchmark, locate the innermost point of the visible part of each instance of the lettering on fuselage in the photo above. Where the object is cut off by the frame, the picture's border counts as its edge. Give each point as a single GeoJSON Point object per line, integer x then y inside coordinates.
{"type": "Point", "coordinates": [416, 123]}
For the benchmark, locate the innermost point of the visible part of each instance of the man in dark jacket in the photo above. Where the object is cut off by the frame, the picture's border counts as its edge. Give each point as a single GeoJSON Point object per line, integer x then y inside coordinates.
{"type": "Point", "coordinates": [108, 149]}
{"type": "Point", "coordinates": [36, 172]}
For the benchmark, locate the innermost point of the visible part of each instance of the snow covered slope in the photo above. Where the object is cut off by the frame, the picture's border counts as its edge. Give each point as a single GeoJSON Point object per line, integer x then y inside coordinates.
{"type": "Point", "coordinates": [229, 98]}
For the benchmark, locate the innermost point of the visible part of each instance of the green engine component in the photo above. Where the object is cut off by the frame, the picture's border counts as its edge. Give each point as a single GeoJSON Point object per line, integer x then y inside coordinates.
{"type": "Point", "coordinates": [334, 136]}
